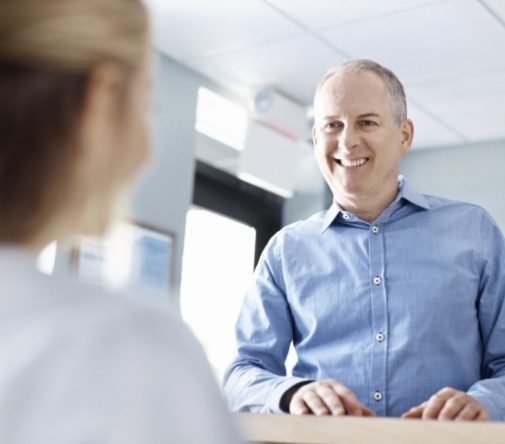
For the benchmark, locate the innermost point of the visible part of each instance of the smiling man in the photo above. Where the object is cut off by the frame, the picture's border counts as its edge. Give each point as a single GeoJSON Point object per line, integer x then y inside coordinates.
{"type": "Point", "coordinates": [393, 300]}
{"type": "Point", "coordinates": [359, 136]}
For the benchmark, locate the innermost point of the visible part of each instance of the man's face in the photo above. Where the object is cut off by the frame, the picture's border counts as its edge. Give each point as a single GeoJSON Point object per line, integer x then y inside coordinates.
{"type": "Point", "coordinates": [358, 144]}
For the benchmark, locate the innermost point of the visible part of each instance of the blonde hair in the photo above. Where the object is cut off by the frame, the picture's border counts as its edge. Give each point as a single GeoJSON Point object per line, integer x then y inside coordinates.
{"type": "Point", "coordinates": [72, 35]}
{"type": "Point", "coordinates": [48, 50]}
{"type": "Point", "coordinates": [394, 87]}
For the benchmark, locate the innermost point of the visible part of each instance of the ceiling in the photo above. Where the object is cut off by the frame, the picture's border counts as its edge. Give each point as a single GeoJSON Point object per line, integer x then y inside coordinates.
{"type": "Point", "coordinates": [450, 54]}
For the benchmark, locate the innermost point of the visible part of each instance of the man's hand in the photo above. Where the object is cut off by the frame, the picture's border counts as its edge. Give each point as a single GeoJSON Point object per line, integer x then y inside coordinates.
{"type": "Point", "coordinates": [451, 405]}
{"type": "Point", "coordinates": [327, 397]}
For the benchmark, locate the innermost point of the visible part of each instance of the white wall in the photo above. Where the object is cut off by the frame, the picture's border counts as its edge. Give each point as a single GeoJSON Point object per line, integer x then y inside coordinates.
{"type": "Point", "coordinates": [311, 192]}
{"type": "Point", "coordinates": [164, 192]}
{"type": "Point", "coordinates": [472, 173]}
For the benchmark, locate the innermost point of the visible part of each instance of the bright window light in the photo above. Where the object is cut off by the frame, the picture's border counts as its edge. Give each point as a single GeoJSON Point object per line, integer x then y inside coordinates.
{"type": "Point", "coordinates": [221, 119]}
{"type": "Point", "coordinates": [217, 266]}
{"type": "Point", "coordinates": [47, 258]}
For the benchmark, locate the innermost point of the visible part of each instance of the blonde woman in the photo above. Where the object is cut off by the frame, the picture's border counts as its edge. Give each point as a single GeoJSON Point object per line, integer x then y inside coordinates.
{"type": "Point", "coordinates": [78, 365]}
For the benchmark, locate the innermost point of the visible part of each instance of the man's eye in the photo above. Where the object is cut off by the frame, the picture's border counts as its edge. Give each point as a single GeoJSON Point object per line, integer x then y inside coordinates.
{"type": "Point", "coordinates": [331, 126]}
{"type": "Point", "coordinates": [367, 123]}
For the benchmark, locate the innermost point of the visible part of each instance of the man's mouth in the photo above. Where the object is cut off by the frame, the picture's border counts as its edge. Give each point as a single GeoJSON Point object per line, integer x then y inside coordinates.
{"type": "Point", "coordinates": [352, 163]}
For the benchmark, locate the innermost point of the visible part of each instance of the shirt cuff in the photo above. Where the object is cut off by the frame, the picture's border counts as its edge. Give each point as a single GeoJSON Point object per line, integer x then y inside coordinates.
{"type": "Point", "coordinates": [274, 400]}
{"type": "Point", "coordinates": [494, 412]}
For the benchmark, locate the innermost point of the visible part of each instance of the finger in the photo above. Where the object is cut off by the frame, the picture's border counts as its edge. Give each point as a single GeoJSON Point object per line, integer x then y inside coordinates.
{"type": "Point", "coordinates": [468, 413]}
{"type": "Point", "coordinates": [483, 415]}
{"type": "Point", "coordinates": [351, 404]}
{"type": "Point", "coordinates": [315, 404]}
{"type": "Point", "coordinates": [368, 412]}
{"type": "Point", "coordinates": [453, 406]}
{"type": "Point", "coordinates": [436, 403]}
{"type": "Point", "coordinates": [415, 412]}
{"type": "Point", "coordinates": [297, 406]}
{"type": "Point", "coordinates": [331, 400]}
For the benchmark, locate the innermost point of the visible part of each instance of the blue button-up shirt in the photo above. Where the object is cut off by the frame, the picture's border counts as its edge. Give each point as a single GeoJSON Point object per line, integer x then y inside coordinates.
{"type": "Point", "coordinates": [396, 309]}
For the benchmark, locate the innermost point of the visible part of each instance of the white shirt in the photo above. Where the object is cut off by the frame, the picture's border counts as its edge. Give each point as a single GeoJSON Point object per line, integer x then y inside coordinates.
{"type": "Point", "coordinates": [79, 365]}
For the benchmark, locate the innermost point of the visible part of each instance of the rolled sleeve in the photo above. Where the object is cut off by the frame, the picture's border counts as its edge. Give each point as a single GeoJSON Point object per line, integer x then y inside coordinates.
{"type": "Point", "coordinates": [256, 379]}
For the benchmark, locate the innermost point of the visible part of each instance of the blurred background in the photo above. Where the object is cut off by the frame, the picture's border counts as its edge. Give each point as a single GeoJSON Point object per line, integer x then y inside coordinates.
{"type": "Point", "coordinates": [232, 123]}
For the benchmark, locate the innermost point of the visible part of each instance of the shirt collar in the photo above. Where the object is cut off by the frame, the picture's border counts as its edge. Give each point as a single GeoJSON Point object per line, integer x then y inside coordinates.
{"type": "Point", "coordinates": [330, 215]}
{"type": "Point", "coordinates": [406, 192]}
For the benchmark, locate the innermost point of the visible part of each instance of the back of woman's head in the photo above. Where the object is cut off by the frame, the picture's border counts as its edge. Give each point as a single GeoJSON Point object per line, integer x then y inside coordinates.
{"type": "Point", "coordinates": [48, 48]}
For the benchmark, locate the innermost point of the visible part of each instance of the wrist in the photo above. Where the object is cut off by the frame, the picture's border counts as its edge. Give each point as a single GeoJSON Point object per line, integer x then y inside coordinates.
{"type": "Point", "coordinates": [288, 395]}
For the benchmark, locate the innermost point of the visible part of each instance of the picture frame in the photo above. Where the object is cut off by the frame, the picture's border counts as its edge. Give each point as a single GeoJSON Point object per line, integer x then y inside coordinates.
{"type": "Point", "coordinates": [132, 256]}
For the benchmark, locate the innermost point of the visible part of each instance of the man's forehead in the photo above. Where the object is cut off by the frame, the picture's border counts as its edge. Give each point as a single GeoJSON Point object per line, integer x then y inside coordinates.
{"type": "Point", "coordinates": [353, 81]}
{"type": "Point", "coordinates": [359, 92]}
{"type": "Point", "coordinates": [364, 115]}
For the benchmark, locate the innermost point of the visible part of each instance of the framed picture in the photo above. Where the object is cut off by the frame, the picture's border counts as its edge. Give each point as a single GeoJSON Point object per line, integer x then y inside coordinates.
{"type": "Point", "coordinates": [133, 256]}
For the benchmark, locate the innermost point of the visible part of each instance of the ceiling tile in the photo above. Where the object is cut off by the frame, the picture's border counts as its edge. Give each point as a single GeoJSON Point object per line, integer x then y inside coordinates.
{"type": "Point", "coordinates": [293, 66]}
{"type": "Point", "coordinates": [318, 14]}
{"type": "Point", "coordinates": [428, 132]}
{"type": "Point", "coordinates": [436, 42]}
{"type": "Point", "coordinates": [473, 106]}
{"type": "Point", "coordinates": [497, 6]}
{"type": "Point", "coordinates": [194, 28]}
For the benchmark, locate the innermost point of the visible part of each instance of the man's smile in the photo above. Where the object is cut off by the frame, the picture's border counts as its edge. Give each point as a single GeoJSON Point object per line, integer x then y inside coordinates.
{"type": "Point", "coordinates": [352, 163]}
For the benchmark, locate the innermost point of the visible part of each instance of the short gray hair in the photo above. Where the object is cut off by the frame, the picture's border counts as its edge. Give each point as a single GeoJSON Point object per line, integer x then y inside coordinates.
{"type": "Point", "coordinates": [398, 103]}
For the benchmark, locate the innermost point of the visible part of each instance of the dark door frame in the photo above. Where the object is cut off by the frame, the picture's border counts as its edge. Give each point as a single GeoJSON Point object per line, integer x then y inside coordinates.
{"type": "Point", "coordinates": [226, 194]}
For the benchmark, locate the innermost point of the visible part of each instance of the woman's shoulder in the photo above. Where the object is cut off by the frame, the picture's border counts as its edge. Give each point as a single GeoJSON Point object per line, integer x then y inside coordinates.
{"type": "Point", "coordinates": [113, 359]}
{"type": "Point", "coordinates": [60, 306]}
{"type": "Point", "coordinates": [48, 316]}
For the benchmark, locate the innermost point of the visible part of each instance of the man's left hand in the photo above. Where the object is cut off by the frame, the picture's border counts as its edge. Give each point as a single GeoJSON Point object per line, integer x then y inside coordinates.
{"type": "Point", "coordinates": [450, 405]}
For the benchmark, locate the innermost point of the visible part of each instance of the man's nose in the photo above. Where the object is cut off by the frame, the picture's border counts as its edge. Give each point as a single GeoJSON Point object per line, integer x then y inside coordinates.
{"type": "Point", "coordinates": [348, 139]}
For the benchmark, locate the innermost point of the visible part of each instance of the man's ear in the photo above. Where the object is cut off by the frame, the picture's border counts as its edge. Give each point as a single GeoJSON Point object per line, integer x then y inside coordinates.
{"type": "Point", "coordinates": [407, 134]}
{"type": "Point", "coordinates": [314, 139]}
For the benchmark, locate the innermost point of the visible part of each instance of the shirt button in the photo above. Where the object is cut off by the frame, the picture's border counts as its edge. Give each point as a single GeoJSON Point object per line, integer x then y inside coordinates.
{"type": "Point", "coordinates": [377, 396]}
{"type": "Point", "coordinates": [375, 229]}
{"type": "Point", "coordinates": [379, 336]}
{"type": "Point", "coordinates": [346, 216]}
{"type": "Point", "coordinates": [377, 280]}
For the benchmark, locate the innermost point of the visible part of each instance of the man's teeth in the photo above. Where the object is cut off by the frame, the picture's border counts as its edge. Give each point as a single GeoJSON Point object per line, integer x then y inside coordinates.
{"type": "Point", "coordinates": [353, 163]}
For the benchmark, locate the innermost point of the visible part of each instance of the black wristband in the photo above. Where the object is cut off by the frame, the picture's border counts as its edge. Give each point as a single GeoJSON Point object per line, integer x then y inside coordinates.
{"type": "Point", "coordinates": [288, 395]}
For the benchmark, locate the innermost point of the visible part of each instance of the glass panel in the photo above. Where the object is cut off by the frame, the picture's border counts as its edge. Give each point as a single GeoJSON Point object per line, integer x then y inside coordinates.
{"type": "Point", "coordinates": [217, 266]}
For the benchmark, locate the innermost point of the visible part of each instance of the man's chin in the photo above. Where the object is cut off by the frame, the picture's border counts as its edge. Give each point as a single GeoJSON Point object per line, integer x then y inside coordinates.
{"type": "Point", "coordinates": [348, 191]}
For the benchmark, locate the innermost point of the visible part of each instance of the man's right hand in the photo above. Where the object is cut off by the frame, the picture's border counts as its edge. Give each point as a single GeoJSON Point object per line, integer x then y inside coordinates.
{"type": "Point", "coordinates": [327, 397]}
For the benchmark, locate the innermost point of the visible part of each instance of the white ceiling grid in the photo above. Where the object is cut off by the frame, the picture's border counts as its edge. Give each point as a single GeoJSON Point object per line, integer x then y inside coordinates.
{"type": "Point", "coordinates": [450, 54]}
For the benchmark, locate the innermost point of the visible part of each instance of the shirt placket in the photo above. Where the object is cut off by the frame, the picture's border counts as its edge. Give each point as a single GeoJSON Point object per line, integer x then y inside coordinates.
{"type": "Point", "coordinates": [378, 294]}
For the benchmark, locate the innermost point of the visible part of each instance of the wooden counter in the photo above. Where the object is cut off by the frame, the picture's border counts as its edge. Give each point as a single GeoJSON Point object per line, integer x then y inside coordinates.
{"type": "Point", "coordinates": [287, 429]}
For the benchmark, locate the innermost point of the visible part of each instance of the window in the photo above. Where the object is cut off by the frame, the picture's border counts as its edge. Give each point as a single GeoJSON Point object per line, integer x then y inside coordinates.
{"type": "Point", "coordinates": [217, 266]}
{"type": "Point", "coordinates": [221, 119]}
